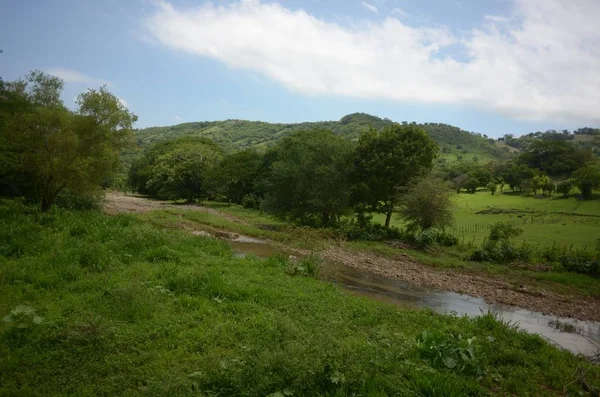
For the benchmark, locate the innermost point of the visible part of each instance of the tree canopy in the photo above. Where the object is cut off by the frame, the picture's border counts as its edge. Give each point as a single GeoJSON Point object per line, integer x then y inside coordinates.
{"type": "Point", "coordinates": [310, 177]}
{"type": "Point", "coordinates": [46, 148]}
{"type": "Point", "coordinates": [387, 161]}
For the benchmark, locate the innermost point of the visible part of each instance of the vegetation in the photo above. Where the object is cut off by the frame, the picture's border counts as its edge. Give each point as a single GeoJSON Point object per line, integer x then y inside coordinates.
{"type": "Point", "coordinates": [427, 205]}
{"type": "Point", "coordinates": [386, 162]}
{"type": "Point", "coordinates": [234, 135]}
{"type": "Point", "coordinates": [93, 304]}
{"type": "Point", "coordinates": [176, 169]}
{"type": "Point", "coordinates": [309, 177]}
{"type": "Point", "coordinates": [46, 149]}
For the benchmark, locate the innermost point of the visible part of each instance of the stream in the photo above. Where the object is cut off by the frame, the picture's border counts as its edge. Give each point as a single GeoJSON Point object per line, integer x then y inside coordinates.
{"type": "Point", "coordinates": [585, 340]}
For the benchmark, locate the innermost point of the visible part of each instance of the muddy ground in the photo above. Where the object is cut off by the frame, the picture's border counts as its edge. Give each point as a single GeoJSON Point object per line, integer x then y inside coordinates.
{"type": "Point", "coordinates": [406, 268]}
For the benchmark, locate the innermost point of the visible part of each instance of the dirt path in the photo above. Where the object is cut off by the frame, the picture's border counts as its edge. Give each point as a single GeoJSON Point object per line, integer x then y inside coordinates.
{"type": "Point", "coordinates": [119, 202]}
{"type": "Point", "coordinates": [405, 268]}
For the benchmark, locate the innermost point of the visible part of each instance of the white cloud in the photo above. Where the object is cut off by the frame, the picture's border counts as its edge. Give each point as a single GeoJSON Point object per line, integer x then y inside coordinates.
{"type": "Point", "coordinates": [370, 7]}
{"type": "Point", "coordinates": [74, 76]}
{"type": "Point", "coordinates": [539, 61]}
{"type": "Point", "coordinates": [400, 12]}
{"type": "Point", "coordinates": [177, 118]}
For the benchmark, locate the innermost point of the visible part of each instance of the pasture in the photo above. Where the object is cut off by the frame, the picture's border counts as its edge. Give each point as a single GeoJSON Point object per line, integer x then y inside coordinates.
{"type": "Point", "coordinates": [545, 221]}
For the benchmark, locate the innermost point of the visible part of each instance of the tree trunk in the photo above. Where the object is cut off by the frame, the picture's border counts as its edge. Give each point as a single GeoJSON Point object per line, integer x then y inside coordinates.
{"type": "Point", "coordinates": [388, 215]}
{"type": "Point", "coordinates": [47, 203]}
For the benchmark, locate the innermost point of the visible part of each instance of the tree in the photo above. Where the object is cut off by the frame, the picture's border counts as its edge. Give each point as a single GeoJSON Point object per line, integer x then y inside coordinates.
{"type": "Point", "coordinates": [555, 158]}
{"type": "Point", "coordinates": [526, 186]}
{"type": "Point", "coordinates": [386, 162]}
{"type": "Point", "coordinates": [56, 149]}
{"type": "Point", "coordinates": [588, 179]}
{"type": "Point", "coordinates": [310, 177]}
{"type": "Point", "coordinates": [565, 187]}
{"type": "Point", "coordinates": [176, 169]}
{"type": "Point", "coordinates": [236, 175]}
{"type": "Point", "coordinates": [492, 187]}
{"type": "Point", "coordinates": [516, 174]}
{"type": "Point", "coordinates": [428, 204]}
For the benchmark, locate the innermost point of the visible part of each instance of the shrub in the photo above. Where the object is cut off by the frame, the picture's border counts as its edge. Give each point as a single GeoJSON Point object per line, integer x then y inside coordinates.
{"type": "Point", "coordinates": [499, 246]}
{"type": "Point", "coordinates": [251, 201]}
{"type": "Point", "coordinates": [428, 204]}
{"type": "Point", "coordinates": [72, 201]}
{"type": "Point", "coordinates": [362, 228]}
{"type": "Point", "coordinates": [580, 260]}
{"type": "Point", "coordinates": [436, 237]}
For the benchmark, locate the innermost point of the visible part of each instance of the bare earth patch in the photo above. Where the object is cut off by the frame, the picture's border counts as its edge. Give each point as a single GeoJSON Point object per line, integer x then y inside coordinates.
{"type": "Point", "coordinates": [118, 202]}
{"type": "Point", "coordinates": [407, 269]}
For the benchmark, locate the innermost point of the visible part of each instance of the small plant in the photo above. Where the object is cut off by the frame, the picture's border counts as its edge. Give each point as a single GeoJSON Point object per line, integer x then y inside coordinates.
{"type": "Point", "coordinates": [23, 316]}
{"type": "Point", "coordinates": [452, 351]}
{"type": "Point", "coordinates": [564, 326]}
{"type": "Point", "coordinates": [307, 266]}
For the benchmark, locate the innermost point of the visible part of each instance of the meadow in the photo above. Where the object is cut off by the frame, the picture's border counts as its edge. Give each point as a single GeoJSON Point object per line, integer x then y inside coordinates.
{"type": "Point", "coordinates": [545, 221]}
{"type": "Point", "coordinates": [122, 305]}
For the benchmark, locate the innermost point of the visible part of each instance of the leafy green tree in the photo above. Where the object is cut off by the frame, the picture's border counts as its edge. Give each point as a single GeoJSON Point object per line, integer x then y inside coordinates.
{"type": "Point", "coordinates": [555, 158]}
{"type": "Point", "coordinates": [236, 175]}
{"type": "Point", "coordinates": [387, 161]}
{"type": "Point", "coordinates": [588, 179]}
{"type": "Point", "coordinates": [428, 204]}
{"type": "Point", "coordinates": [309, 177]}
{"type": "Point", "coordinates": [176, 169]}
{"type": "Point", "coordinates": [516, 174]}
{"type": "Point", "coordinates": [565, 187]}
{"type": "Point", "coordinates": [55, 149]}
{"type": "Point", "coordinates": [492, 187]}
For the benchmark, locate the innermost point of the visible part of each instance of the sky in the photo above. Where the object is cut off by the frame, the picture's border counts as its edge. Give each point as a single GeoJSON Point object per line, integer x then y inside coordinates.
{"type": "Point", "coordinates": [489, 66]}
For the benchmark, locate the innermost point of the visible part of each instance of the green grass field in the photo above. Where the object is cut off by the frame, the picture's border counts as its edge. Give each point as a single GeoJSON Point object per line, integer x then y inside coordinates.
{"type": "Point", "coordinates": [122, 305]}
{"type": "Point", "coordinates": [545, 221]}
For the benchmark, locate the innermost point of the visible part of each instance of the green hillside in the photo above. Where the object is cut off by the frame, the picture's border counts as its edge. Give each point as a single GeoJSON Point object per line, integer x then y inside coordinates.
{"type": "Point", "coordinates": [239, 134]}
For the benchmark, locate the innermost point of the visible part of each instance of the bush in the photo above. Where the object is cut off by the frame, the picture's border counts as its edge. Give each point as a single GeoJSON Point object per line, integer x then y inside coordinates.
{"type": "Point", "coordinates": [251, 201]}
{"type": "Point", "coordinates": [362, 228]}
{"type": "Point", "coordinates": [436, 237]}
{"type": "Point", "coordinates": [499, 246]}
{"type": "Point", "coordinates": [581, 261]}
{"type": "Point", "coordinates": [72, 201]}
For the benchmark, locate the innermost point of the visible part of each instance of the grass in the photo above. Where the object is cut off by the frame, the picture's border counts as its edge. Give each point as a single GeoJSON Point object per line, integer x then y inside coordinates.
{"type": "Point", "coordinates": [455, 258]}
{"type": "Point", "coordinates": [119, 305]}
{"type": "Point", "coordinates": [545, 221]}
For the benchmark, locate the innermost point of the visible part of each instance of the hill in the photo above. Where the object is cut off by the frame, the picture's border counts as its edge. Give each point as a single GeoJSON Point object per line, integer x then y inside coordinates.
{"type": "Point", "coordinates": [240, 134]}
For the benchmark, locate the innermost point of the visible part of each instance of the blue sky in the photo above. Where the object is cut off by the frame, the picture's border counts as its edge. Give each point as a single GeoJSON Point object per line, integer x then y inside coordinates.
{"type": "Point", "coordinates": [490, 66]}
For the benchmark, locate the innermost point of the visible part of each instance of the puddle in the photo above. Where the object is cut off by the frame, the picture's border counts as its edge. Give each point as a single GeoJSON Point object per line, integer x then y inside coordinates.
{"type": "Point", "coordinates": [404, 295]}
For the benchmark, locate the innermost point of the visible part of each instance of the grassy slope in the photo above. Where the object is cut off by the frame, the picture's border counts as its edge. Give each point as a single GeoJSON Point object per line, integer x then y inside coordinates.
{"type": "Point", "coordinates": [548, 227]}
{"type": "Point", "coordinates": [129, 308]}
{"type": "Point", "coordinates": [239, 134]}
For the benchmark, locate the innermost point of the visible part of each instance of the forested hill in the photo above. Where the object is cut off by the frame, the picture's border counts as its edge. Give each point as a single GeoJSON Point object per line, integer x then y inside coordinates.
{"type": "Point", "coordinates": [239, 134]}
